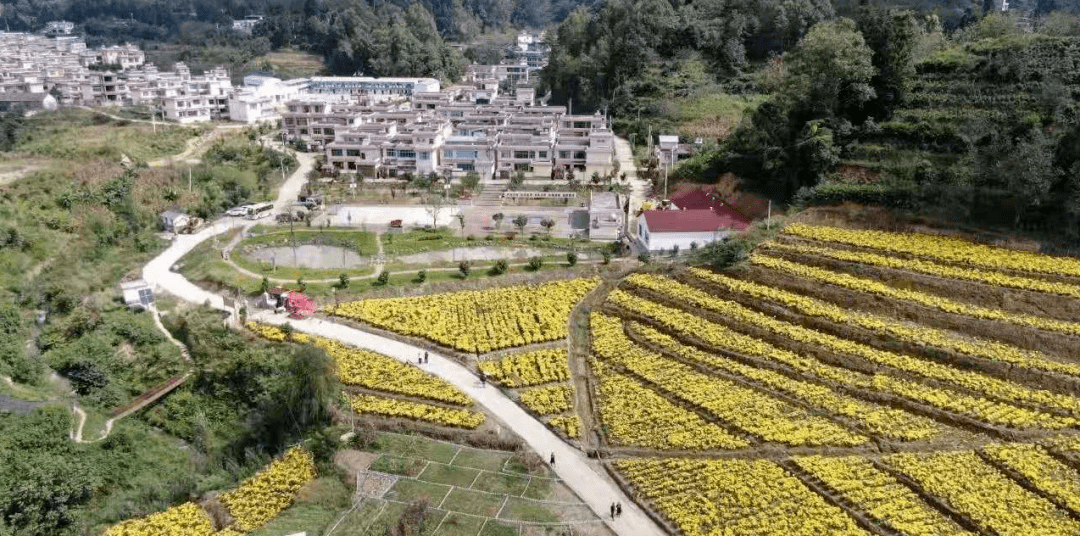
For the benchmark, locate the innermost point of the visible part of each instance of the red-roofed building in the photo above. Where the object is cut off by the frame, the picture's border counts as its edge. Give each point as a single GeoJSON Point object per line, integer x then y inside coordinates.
{"type": "Point", "coordinates": [665, 229]}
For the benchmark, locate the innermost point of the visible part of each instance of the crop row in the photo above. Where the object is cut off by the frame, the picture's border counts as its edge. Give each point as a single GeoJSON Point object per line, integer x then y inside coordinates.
{"type": "Point", "coordinates": [877, 493]}
{"type": "Point", "coordinates": [933, 301]}
{"type": "Point", "coordinates": [941, 247]}
{"type": "Point", "coordinates": [980, 408]}
{"type": "Point", "coordinates": [983, 494]}
{"type": "Point", "coordinates": [549, 400]}
{"type": "Point", "coordinates": [1041, 469]}
{"type": "Point", "coordinates": [907, 332]}
{"type": "Point", "coordinates": [888, 422]}
{"type": "Point", "coordinates": [635, 415]}
{"type": "Point", "coordinates": [569, 424]}
{"type": "Point", "coordinates": [949, 271]}
{"type": "Point", "coordinates": [744, 408]}
{"type": "Point", "coordinates": [528, 368]}
{"type": "Point", "coordinates": [390, 407]}
{"type": "Point", "coordinates": [378, 372]}
{"type": "Point", "coordinates": [971, 380]}
{"type": "Point", "coordinates": [736, 497]}
{"type": "Point", "coordinates": [478, 320]}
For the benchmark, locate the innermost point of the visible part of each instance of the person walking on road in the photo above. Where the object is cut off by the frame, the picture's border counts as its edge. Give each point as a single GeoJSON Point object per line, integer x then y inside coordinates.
{"type": "Point", "coordinates": [425, 358]}
{"type": "Point", "coordinates": [612, 510]}
{"type": "Point", "coordinates": [618, 509]}
{"type": "Point", "coordinates": [552, 458]}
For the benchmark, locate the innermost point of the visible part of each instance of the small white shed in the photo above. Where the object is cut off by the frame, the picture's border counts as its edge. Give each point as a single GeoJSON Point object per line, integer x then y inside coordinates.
{"type": "Point", "coordinates": [137, 294]}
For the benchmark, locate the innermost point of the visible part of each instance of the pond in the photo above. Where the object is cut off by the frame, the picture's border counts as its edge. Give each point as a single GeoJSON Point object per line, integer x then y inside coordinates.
{"type": "Point", "coordinates": [310, 256]}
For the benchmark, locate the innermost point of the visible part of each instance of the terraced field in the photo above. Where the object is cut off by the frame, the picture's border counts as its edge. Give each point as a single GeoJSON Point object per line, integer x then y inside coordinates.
{"type": "Point", "coordinates": [848, 381]}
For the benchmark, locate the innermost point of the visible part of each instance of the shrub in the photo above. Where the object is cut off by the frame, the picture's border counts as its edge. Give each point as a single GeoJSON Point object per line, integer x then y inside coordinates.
{"type": "Point", "coordinates": [644, 257]}
{"type": "Point", "coordinates": [489, 238]}
{"type": "Point", "coordinates": [384, 277]}
{"type": "Point", "coordinates": [464, 268]}
{"type": "Point", "coordinates": [510, 236]}
{"type": "Point", "coordinates": [500, 267]}
{"type": "Point", "coordinates": [571, 258]}
{"type": "Point", "coordinates": [470, 238]}
{"type": "Point", "coordinates": [675, 250]}
{"type": "Point", "coordinates": [535, 263]}
{"type": "Point", "coordinates": [421, 276]}
{"type": "Point", "coordinates": [534, 238]}
{"type": "Point", "coordinates": [607, 257]}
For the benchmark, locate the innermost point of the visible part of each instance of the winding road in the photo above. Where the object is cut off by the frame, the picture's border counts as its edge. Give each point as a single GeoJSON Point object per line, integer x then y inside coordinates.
{"type": "Point", "coordinates": [586, 478]}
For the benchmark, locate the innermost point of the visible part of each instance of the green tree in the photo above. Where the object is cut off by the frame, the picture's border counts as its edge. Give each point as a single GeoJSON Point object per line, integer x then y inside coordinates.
{"type": "Point", "coordinates": [343, 281]}
{"type": "Point", "coordinates": [498, 217]}
{"type": "Point", "coordinates": [892, 35]}
{"type": "Point", "coordinates": [520, 222]}
{"type": "Point", "coordinates": [464, 268]}
{"type": "Point", "coordinates": [831, 70]}
{"type": "Point", "coordinates": [571, 258]}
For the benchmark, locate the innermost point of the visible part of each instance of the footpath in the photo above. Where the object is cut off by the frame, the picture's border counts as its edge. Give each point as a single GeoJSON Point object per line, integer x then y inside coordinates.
{"type": "Point", "coordinates": [586, 478]}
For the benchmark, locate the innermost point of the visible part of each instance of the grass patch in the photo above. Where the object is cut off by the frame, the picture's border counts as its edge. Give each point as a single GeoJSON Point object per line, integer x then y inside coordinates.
{"type": "Point", "coordinates": [318, 506]}
{"type": "Point", "coordinates": [521, 510]}
{"type": "Point", "coordinates": [75, 134]}
{"type": "Point", "coordinates": [397, 466]}
{"type": "Point", "coordinates": [472, 502]}
{"type": "Point", "coordinates": [495, 528]}
{"type": "Point", "coordinates": [406, 490]}
{"type": "Point", "coordinates": [517, 465]}
{"type": "Point", "coordinates": [295, 64]}
{"type": "Point", "coordinates": [540, 489]}
{"type": "Point", "coordinates": [448, 474]}
{"type": "Point", "coordinates": [379, 518]}
{"type": "Point", "coordinates": [460, 525]}
{"type": "Point", "coordinates": [501, 483]}
{"type": "Point", "coordinates": [481, 459]}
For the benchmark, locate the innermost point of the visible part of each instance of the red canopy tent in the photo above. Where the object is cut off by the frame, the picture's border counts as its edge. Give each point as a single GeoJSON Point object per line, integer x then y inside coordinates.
{"type": "Point", "coordinates": [299, 306]}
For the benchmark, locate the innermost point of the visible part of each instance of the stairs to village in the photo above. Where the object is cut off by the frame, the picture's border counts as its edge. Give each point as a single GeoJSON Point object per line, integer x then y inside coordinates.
{"type": "Point", "coordinates": [492, 195]}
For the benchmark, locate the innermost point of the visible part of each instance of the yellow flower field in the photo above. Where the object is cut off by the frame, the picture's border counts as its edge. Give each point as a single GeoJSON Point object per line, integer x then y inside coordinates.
{"type": "Point", "coordinates": [569, 424]}
{"type": "Point", "coordinates": [743, 408]}
{"type": "Point", "coordinates": [880, 495]}
{"type": "Point", "coordinates": [996, 279]}
{"type": "Point", "coordinates": [528, 368]}
{"type": "Point", "coordinates": [549, 400]}
{"type": "Point", "coordinates": [1043, 470]}
{"type": "Point", "coordinates": [188, 519]}
{"type": "Point", "coordinates": [984, 494]}
{"type": "Point", "coordinates": [478, 320]}
{"type": "Point", "coordinates": [637, 416]}
{"type": "Point", "coordinates": [389, 407]}
{"type": "Point", "coordinates": [263, 496]}
{"type": "Point", "coordinates": [378, 372]}
{"type": "Point", "coordinates": [734, 497]}
{"type": "Point", "coordinates": [941, 247]}
{"type": "Point", "coordinates": [913, 333]}
{"type": "Point", "coordinates": [924, 299]}
{"type": "Point", "coordinates": [1003, 390]}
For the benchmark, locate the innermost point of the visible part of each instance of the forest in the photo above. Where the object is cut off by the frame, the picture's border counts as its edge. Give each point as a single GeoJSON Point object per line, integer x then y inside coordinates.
{"type": "Point", "coordinates": [969, 115]}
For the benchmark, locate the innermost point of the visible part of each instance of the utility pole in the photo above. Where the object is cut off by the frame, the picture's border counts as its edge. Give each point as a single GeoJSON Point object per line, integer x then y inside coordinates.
{"type": "Point", "coordinates": [768, 218]}
{"type": "Point", "coordinates": [189, 179]}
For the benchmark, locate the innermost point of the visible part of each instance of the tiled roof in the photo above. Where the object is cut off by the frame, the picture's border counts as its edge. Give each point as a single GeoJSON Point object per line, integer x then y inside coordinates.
{"type": "Point", "coordinates": [690, 221]}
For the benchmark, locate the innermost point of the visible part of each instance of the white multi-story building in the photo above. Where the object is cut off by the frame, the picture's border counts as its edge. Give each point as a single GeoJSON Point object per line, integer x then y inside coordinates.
{"type": "Point", "coordinates": [378, 89]}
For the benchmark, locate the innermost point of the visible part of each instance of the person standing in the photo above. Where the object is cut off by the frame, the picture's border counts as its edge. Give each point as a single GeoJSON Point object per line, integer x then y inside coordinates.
{"type": "Point", "coordinates": [612, 510]}
{"type": "Point", "coordinates": [552, 459]}
{"type": "Point", "coordinates": [618, 509]}
{"type": "Point", "coordinates": [425, 358]}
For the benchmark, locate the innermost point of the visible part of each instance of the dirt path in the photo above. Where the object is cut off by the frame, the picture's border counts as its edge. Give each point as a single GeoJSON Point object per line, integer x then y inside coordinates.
{"type": "Point", "coordinates": [585, 477]}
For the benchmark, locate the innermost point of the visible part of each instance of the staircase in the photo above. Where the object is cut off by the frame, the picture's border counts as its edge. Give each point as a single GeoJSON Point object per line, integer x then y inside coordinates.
{"type": "Point", "coordinates": [491, 196]}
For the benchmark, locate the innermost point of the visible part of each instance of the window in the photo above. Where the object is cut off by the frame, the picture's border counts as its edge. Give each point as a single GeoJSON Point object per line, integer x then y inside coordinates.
{"type": "Point", "coordinates": [521, 154]}
{"type": "Point", "coordinates": [316, 131]}
{"type": "Point", "coordinates": [336, 152]}
{"type": "Point", "coordinates": [303, 131]}
{"type": "Point", "coordinates": [582, 124]}
{"type": "Point", "coordinates": [406, 153]}
{"type": "Point", "coordinates": [579, 155]}
{"type": "Point", "coordinates": [351, 152]}
{"type": "Point", "coordinates": [424, 155]}
{"type": "Point", "coordinates": [564, 154]}
{"type": "Point", "coordinates": [448, 154]}
{"type": "Point", "coordinates": [466, 167]}
{"type": "Point", "coordinates": [543, 154]}
{"type": "Point", "coordinates": [328, 131]}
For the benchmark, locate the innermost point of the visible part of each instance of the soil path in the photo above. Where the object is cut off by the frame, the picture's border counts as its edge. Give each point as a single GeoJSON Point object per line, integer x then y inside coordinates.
{"type": "Point", "coordinates": [586, 478]}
